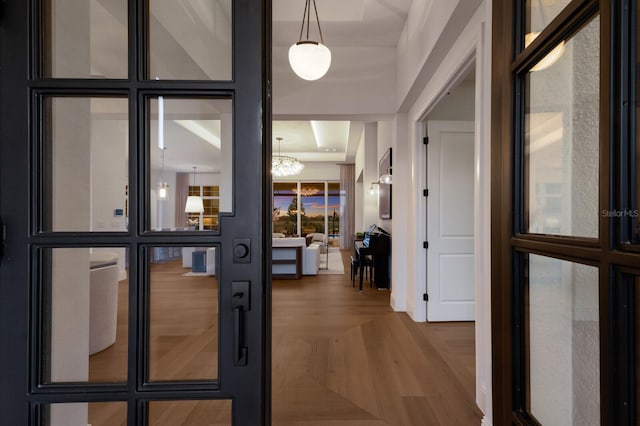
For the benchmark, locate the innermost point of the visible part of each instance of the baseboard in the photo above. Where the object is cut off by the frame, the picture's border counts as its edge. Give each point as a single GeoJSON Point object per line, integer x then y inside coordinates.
{"type": "Point", "coordinates": [398, 305]}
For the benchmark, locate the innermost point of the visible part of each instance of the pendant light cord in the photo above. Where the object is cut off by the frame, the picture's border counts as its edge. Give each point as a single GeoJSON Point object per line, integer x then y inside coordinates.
{"type": "Point", "coordinates": [307, 14]}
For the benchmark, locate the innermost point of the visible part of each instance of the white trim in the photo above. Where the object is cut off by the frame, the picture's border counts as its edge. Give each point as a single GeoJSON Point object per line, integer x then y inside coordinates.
{"type": "Point", "coordinates": [472, 45]}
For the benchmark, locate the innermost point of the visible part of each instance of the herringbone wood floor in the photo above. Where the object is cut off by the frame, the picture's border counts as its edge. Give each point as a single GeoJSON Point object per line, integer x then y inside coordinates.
{"type": "Point", "coordinates": [340, 357]}
{"type": "Point", "coordinates": [345, 358]}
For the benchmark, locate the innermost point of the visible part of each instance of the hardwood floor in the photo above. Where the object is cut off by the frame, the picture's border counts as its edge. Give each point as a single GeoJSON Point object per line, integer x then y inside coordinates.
{"type": "Point", "coordinates": [345, 358]}
{"type": "Point", "coordinates": [340, 357]}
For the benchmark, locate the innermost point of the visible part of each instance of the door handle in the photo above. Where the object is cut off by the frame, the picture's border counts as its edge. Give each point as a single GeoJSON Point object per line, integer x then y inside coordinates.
{"type": "Point", "coordinates": [240, 305]}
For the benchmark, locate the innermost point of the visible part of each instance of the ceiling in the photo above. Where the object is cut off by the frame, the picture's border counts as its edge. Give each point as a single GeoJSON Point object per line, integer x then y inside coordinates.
{"type": "Point", "coordinates": [184, 51]}
{"type": "Point", "coordinates": [353, 23]}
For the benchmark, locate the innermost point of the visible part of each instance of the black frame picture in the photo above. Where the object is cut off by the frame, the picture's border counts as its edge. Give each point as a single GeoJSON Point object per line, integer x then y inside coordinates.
{"type": "Point", "coordinates": [384, 193]}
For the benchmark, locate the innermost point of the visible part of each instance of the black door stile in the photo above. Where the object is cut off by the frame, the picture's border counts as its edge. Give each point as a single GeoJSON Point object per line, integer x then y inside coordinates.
{"type": "Point", "coordinates": [23, 396]}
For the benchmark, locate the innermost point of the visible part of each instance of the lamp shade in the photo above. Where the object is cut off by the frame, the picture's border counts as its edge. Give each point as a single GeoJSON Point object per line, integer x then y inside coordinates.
{"type": "Point", "coordinates": [310, 60]}
{"type": "Point", "coordinates": [163, 191]}
{"type": "Point", "coordinates": [194, 204]}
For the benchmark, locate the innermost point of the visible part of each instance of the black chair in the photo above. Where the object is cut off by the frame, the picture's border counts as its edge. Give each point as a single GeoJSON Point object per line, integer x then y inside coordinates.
{"type": "Point", "coordinates": [355, 266]}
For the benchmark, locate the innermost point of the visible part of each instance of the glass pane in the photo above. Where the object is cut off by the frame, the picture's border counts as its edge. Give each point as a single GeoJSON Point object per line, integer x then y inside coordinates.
{"type": "Point", "coordinates": [85, 413]}
{"type": "Point", "coordinates": [334, 208]}
{"type": "Point", "coordinates": [190, 39]}
{"type": "Point", "coordinates": [85, 315]}
{"type": "Point", "coordinates": [561, 140]}
{"type": "Point", "coordinates": [183, 313]}
{"type": "Point", "coordinates": [85, 39]}
{"type": "Point", "coordinates": [191, 149]}
{"type": "Point", "coordinates": [539, 14]}
{"type": "Point", "coordinates": [190, 413]}
{"type": "Point", "coordinates": [86, 175]}
{"type": "Point", "coordinates": [312, 207]}
{"type": "Point", "coordinates": [285, 209]}
{"type": "Point", "coordinates": [563, 342]}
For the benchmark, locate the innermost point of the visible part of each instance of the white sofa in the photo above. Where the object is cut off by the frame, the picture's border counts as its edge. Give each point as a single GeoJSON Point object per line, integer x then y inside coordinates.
{"type": "Point", "coordinates": [310, 254]}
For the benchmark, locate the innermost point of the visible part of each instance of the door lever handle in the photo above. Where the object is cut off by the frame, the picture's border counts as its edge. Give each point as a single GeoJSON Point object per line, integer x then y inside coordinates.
{"type": "Point", "coordinates": [240, 305]}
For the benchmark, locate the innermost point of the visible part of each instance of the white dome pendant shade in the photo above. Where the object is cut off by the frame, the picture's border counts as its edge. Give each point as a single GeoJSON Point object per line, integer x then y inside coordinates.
{"type": "Point", "coordinates": [309, 59]}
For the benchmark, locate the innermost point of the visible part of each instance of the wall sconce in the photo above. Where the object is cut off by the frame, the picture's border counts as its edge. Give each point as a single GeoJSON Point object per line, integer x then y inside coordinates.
{"type": "Point", "coordinates": [386, 178]}
{"type": "Point", "coordinates": [372, 190]}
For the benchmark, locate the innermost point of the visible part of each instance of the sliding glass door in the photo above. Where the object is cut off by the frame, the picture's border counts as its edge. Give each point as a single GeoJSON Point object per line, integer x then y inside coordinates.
{"type": "Point", "coordinates": [303, 208]}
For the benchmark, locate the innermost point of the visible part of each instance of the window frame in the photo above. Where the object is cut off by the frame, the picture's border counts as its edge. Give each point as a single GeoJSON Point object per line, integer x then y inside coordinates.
{"type": "Point", "coordinates": [510, 60]}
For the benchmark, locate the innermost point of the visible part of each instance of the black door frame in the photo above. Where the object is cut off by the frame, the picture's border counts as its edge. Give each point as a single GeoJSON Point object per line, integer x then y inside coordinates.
{"type": "Point", "coordinates": [612, 252]}
{"type": "Point", "coordinates": [21, 88]}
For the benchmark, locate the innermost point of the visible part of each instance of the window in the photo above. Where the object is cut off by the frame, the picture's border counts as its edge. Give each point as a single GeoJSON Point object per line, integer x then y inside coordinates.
{"type": "Point", "coordinates": [211, 201]}
{"type": "Point", "coordinates": [302, 208]}
{"type": "Point", "coordinates": [564, 209]}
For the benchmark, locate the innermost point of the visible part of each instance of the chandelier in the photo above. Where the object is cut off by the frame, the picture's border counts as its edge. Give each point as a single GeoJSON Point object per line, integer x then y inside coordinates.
{"type": "Point", "coordinates": [281, 165]}
{"type": "Point", "coordinates": [306, 192]}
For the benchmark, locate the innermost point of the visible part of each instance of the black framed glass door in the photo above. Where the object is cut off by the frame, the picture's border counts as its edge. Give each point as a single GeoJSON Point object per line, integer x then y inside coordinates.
{"type": "Point", "coordinates": [565, 257]}
{"type": "Point", "coordinates": [128, 297]}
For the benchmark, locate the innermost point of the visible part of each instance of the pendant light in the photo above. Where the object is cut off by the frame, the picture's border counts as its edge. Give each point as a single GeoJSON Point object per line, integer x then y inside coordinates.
{"type": "Point", "coordinates": [163, 188]}
{"type": "Point", "coordinates": [309, 59]}
{"type": "Point", "coordinates": [194, 202]}
{"type": "Point", "coordinates": [281, 165]}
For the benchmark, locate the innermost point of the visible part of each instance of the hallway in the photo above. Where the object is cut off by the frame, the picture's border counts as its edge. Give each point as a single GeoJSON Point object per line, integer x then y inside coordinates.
{"type": "Point", "coordinates": [344, 358]}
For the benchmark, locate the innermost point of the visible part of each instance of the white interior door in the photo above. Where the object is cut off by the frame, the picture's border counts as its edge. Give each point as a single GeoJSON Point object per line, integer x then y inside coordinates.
{"type": "Point", "coordinates": [450, 255]}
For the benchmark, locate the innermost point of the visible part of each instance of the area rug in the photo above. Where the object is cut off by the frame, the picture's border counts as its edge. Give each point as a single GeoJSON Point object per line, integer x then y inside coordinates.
{"type": "Point", "coordinates": [335, 263]}
{"type": "Point", "coordinates": [196, 274]}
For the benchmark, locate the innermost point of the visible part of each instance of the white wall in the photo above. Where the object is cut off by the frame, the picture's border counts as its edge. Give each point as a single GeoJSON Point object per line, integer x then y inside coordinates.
{"type": "Point", "coordinates": [361, 188]}
{"type": "Point", "coordinates": [109, 177]}
{"type": "Point", "coordinates": [439, 44]}
{"type": "Point", "coordinates": [385, 140]}
{"type": "Point", "coordinates": [370, 174]}
{"type": "Point", "coordinates": [457, 105]}
{"type": "Point", "coordinates": [425, 42]}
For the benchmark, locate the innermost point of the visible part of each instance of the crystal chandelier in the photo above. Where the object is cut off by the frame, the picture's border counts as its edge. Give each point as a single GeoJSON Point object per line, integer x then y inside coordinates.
{"type": "Point", "coordinates": [306, 192]}
{"type": "Point", "coordinates": [281, 165]}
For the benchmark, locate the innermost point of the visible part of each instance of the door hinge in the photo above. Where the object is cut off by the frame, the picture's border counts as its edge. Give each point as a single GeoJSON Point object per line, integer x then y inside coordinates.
{"type": "Point", "coordinates": [425, 192]}
{"type": "Point", "coordinates": [425, 244]}
{"type": "Point", "coordinates": [425, 297]}
{"type": "Point", "coordinates": [425, 140]}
